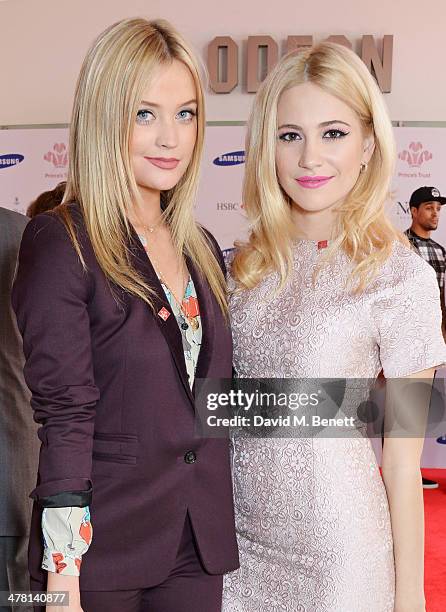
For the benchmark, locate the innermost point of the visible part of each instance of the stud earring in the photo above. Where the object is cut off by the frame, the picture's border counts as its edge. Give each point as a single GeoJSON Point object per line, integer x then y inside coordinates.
{"type": "Point", "coordinates": [363, 167]}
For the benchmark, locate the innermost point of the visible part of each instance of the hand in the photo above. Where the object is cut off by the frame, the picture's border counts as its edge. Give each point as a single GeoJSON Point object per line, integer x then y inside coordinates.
{"type": "Point", "coordinates": [60, 582]}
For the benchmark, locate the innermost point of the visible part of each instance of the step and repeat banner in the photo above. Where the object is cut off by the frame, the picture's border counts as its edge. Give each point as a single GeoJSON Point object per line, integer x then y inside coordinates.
{"type": "Point", "coordinates": [31, 161]}
{"type": "Point", "coordinates": [36, 160]}
{"type": "Point", "coordinates": [421, 161]}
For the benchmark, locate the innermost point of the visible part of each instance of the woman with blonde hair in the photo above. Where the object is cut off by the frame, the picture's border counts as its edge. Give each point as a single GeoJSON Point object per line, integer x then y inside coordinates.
{"type": "Point", "coordinates": [120, 298]}
{"type": "Point", "coordinates": [326, 288]}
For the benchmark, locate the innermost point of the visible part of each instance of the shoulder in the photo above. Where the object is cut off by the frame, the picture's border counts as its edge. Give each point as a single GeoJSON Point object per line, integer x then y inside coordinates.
{"type": "Point", "coordinates": [215, 247]}
{"type": "Point", "coordinates": [405, 265]}
{"type": "Point", "coordinates": [405, 280]}
{"type": "Point", "coordinates": [439, 246]}
{"type": "Point", "coordinates": [209, 237]}
{"type": "Point", "coordinates": [47, 248]}
{"type": "Point", "coordinates": [45, 231]}
{"type": "Point", "coordinates": [48, 260]}
{"type": "Point", "coordinates": [12, 222]}
{"type": "Point", "coordinates": [48, 230]}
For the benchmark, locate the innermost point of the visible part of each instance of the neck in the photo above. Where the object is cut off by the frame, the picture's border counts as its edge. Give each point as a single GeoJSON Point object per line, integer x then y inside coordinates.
{"type": "Point", "coordinates": [317, 225]}
{"type": "Point", "coordinates": [147, 211]}
{"type": "Point", "coordinates": [419, 231]}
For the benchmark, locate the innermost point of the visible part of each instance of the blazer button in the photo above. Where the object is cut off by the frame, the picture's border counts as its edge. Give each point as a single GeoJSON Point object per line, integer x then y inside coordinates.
{"type": "Point", "coordinates": [190, 457]}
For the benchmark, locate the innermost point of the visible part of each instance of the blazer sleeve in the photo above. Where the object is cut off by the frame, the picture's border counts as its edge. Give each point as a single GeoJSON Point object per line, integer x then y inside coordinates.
{"type": "Point", "coordinates": [50, 298]}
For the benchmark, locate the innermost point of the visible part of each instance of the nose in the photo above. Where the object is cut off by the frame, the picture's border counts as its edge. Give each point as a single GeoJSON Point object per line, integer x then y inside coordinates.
{"type": "Point", "coordinates": [310, 154]}
{"type": "Point", "coordinates": [167, 136]}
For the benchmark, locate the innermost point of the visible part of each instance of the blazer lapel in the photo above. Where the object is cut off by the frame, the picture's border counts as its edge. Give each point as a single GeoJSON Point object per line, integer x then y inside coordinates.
{"type": "Point", "coordinates": [207, 315]}
{"type": "Point", "coordinates": [165, 318]}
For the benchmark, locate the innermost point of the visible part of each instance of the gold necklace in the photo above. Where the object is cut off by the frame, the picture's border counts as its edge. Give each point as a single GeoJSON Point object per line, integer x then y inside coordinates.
{"type": "Point", "coordinates": [152, 228]}
{"type": "Point", "coordinates": [149, 228]}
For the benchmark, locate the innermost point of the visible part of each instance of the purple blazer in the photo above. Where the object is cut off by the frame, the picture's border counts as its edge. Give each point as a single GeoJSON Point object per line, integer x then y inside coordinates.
{"type": "Point", "coordinates": [109, 388]}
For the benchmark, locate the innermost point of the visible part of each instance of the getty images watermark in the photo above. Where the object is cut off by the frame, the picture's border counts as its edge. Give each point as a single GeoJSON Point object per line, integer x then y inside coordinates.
{"type": "Point", "coordinates": [250, 402]}
{"type": "Point", "coordinates": [320, 407]}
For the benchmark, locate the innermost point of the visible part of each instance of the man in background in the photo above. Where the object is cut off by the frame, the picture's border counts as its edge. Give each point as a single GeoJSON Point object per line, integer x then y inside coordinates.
{"type": "Point", "coordinates": [19, 443]}
{"type": "Point", "coordinates": [425, 207]}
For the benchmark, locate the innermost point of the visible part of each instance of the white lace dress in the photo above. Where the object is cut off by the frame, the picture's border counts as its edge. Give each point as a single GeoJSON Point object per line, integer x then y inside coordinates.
{"type": "Point", "coordinates": [312, 515]}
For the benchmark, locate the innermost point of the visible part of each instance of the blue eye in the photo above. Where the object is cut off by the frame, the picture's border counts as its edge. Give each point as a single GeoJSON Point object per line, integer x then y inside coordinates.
{"type": "Point", "coordinates": [186, 115]}
{"type": "Point", "coordinates": [144, 116]}
{"type": "Point", "coordinates": [289, 137]}
{"type": "Point", "coordinates": [335, 134]}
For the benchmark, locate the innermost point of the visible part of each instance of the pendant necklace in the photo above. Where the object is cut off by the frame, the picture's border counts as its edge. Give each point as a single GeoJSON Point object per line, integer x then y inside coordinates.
{"type": "Point", "coordinates": [186, 316]}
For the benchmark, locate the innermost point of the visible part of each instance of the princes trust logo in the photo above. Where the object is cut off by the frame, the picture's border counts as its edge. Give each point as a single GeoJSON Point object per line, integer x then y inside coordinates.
{"type": "Point", "coordinates": [416, 155]}
{"type": "Point", "coordinates": [58, 156]}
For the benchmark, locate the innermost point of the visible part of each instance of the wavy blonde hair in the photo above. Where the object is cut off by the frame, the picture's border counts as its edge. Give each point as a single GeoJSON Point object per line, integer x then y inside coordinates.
{"type": "Point", "coordinates": [116, 70]}
{"type": "Point", "coordinates": [363, 232]}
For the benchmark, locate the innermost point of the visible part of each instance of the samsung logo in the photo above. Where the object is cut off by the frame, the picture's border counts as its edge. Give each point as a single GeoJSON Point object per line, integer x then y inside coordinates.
{"type": "Point", "coordinates": [230, 159]}
{"type": "Point", "coordinates": [11, 159]}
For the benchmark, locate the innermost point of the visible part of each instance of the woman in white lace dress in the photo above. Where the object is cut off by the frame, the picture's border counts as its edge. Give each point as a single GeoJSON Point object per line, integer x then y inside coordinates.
{"type": "Point", "coordinates": [325, 287]}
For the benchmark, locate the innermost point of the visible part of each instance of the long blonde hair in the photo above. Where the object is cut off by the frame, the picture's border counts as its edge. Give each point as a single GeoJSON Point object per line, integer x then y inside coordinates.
{"type": "Point", "coordinates": [364, 232]}
{"type": "Point", "coordinates": [117, 68]}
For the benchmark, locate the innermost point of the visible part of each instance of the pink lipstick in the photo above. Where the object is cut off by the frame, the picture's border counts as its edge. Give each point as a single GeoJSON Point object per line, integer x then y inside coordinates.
{"type": "Point", "coordinates": [165, 163]}
{"type": "Point", "coordinates": [313, 182]}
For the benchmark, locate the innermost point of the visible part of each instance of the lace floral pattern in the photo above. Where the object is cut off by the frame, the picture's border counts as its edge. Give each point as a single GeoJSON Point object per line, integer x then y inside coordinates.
{"type": "Point", "coordinates": [312, 516]}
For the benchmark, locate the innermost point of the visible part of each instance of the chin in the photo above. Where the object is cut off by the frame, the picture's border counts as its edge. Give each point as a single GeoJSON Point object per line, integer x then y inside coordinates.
{"type": "Point", "coordinates": [160, 185]}
{"type": "Point", "coordinates": [314, 205]}
{"type": "Point", "coordinates": [167, 185]}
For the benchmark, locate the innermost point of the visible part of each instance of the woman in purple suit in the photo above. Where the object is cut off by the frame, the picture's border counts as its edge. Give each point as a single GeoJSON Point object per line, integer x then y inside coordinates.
{"type": "Point", "coordinates": [120, 298]}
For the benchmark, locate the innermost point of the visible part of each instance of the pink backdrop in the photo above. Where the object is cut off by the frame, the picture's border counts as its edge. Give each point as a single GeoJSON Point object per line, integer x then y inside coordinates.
{"type": "Point", "coordinates": [421, 161]}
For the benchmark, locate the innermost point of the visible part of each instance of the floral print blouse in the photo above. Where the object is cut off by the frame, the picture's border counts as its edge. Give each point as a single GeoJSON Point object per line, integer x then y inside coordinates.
{"type": "Point", "coordinates": [67, 532]}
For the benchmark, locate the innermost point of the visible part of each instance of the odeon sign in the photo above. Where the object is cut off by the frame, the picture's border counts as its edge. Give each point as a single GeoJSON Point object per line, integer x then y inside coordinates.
{"type": "Point", "coordinates": [262, 52]}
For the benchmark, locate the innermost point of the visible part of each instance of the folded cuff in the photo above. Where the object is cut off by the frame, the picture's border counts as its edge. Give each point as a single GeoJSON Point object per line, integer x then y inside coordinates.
{"type": "Point", "coordinates": [62, 493]}
{"type": "Point", "coordinates": [80, 499]}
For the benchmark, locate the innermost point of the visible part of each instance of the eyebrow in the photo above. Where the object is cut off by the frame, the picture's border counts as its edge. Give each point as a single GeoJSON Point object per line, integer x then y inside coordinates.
{"type": "Point", "coordinates": [154, 105]}
{"type": "Point", "coordinates": [323, 124]}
